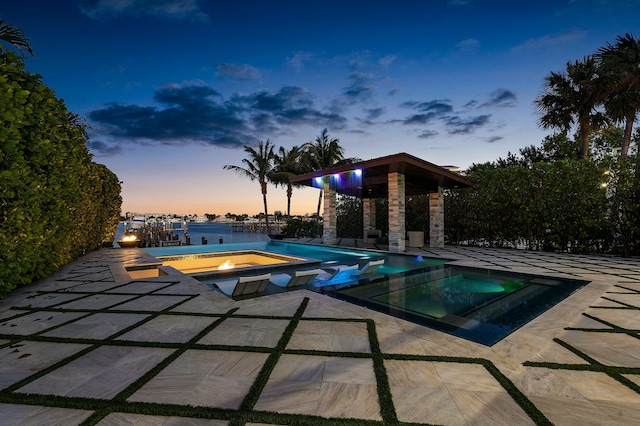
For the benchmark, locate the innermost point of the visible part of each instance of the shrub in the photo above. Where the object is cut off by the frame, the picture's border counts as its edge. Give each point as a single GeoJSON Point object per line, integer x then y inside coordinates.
{"type": "Point", "coordinates": [559, 206]}
{"type": "Point", "coordinates": [298, 228]}
{"type": "Point", "coordinates": [56, 204]}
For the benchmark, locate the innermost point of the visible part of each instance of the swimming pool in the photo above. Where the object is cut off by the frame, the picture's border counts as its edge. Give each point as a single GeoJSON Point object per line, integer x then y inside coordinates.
{"type": "Point", "coordinates": [480, 305]}
{"type": "Point", "coordinates": [327, 256]}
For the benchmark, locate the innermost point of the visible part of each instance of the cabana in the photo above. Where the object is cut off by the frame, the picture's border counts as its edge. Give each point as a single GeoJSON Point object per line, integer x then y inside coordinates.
{"type": "Point", "coordinates": [394, 177]}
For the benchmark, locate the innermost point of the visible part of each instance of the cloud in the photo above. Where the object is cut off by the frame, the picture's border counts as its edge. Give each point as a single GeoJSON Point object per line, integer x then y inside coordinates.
{"type": "Point", "coordinates": [469, 45]}
{"type": "Point", "coordinates": [359, 90]}
{"type": "Point", "coordinates": [441, 111]}
{"type": "Point", "coordinates": [493, 139]}
{"type": "Point", "coordinates": [419, 119]}
{"type": "Point", "coordinates": [385, 61]}
{"type": "Point", "coordinates": [195, 112]}
{"type": "Point", "coordinates": [429, 111]}
{"type": "Point", "coordinates": [300, 59]}
{"type": "Point", "coordinates": [438, 107]}
{"type": "Point", "coordinates": [550, 40]}
{"type": "Point", "coordinates": [501, 98]}
{"type": "Point", "coordinates": [102, 148]}
{"type": "Point", "coordinates": [461, 126]}
{"type": "Point", "coordinates": [375, 113]}
{"type": "Point", "coordinates": [471, 104]}
{"type": "Point", "coordinates": [165, 9]}
{"type": "Point", "coordinates": [237, 72]}
{"type": "Point", "coordinates": [428, 134]}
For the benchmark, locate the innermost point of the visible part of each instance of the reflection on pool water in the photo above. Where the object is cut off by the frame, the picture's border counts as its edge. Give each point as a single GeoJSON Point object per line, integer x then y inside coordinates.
{"type": "Point", "coordinates": [483, 306]}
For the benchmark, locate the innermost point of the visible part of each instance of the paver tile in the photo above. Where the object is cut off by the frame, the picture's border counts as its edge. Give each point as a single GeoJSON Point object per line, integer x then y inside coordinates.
{"type": "Point", "coordinates": [204, 378]}
{"type": "Point", "coordinates": [101, 373]}
{"type": "Point", "coordinates": [150, 303]}
{"type": "Point", "coordinates": [118, 419]}
{"type": "Point", "coordinates": [96, 326]}
{"type": "Point", "coordinates": [17, 414]}
{"type": "Point", "coordinates": [23, 359]}
{"type": "Point", "coordinates": [246, 332]}
{"type": "Point", "coordinates": [168, 329]}
{"type": "Point", "coordinates": [36, 322]}
{"type": "Point", "coordinates": [97, 301]}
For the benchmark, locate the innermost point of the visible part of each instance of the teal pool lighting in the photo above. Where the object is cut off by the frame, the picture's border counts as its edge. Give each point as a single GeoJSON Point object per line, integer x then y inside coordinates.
{"type": "Point", "coordinates": [480, 305]}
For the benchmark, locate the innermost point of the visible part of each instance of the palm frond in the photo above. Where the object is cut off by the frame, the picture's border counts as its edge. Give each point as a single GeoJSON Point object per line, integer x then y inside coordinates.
{"type": "Point", "coordinates": [14, 36]}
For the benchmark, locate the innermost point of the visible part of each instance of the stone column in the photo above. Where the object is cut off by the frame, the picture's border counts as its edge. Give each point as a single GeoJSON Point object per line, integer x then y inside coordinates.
{"type": "Point", "coordinates": [396, 212]}
{"type": "Point", "coordinates": [368, 215]}
{"type": "Point", "coordinates": [329, 231]}
{"type": "Point", "coordinates": [436, 218]}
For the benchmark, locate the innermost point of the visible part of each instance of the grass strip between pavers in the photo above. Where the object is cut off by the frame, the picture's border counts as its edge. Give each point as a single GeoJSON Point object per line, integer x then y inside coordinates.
{"type": "Point", "coordinates": [524, 402]}
{"type": "Point", "coordinates": [624, 305]}
{"type": "Point", "coordinates": [529, 408]}
{"type": "Point", "coordinates": [387, 409]}
{"type": "Point", "coordinates": [93, 345]}
{"type": "Point", "coordinates": [135, 386]}
{"type": "Point", "coordinates": [103, 408]}
{"type": "Point", "coordinates": [613, 328]}
{"type": "Point", "coordinates": [263, 376]}
{"type": "Point", "coordinates": [614, 372]}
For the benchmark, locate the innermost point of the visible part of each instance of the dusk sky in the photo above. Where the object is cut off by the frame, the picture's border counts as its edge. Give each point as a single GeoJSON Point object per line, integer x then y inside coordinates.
{"type": "Point", "coordinates": [173, 89]}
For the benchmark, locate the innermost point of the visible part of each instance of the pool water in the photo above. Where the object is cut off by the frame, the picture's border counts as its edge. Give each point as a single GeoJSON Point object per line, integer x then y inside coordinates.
{"type": "Point", "coordinates": [483, 306]}
{"type": "Point", "coordinates": [328, 256]}
{"type": "Point", "coordinates": [480, 305]}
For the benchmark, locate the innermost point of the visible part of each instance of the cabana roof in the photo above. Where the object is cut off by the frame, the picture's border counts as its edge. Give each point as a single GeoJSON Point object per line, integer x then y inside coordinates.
{"type": "Point", "coordinates": [369, 179]}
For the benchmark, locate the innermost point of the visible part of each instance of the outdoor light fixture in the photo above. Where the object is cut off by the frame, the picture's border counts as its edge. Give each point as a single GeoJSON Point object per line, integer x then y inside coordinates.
{"type": "Point", "coordinates": [130, 240]}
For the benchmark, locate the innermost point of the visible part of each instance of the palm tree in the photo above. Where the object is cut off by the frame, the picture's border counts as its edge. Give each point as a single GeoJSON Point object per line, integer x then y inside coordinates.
{"type": "Point", "coordinates": [14, 36]}
{"type": "Point", "coordinates": [573, 98]}
{"type": "Point", "coordinates": [287, 164]}
{"type": "Point", "coordinates": [323, 153]}
{"type": "Point", "coordinates": [621, 64]}
{"type": "Point", "coordinates": [258, 166]}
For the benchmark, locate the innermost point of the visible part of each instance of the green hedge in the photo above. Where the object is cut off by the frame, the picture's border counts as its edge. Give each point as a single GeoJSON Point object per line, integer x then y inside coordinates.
{"type": "Point", "coordinates": [555, 206]}
{"type": "Point", "coordinates": [56, 203]}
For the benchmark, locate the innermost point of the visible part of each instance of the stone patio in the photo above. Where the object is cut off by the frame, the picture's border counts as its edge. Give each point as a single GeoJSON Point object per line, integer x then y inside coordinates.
{"type": "Point", "coordinates": [89, 346]}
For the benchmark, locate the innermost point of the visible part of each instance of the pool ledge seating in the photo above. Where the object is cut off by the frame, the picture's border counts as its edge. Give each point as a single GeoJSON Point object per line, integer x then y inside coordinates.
{"type": "Point", "coordinates": [297, 279]}
{"type": "Point", "coordinates": [241, 286]}
{"type": "Point", "coordinates": [346, 271]}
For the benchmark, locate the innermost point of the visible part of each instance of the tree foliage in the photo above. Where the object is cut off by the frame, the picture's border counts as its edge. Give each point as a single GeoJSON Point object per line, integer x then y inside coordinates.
{"type": "Point", "coordinates": [620, 65]}
{"type": "Point", "coordinates": [259, 165]}
{"type": "Point", "coordinates": [56, 204]}
{"type": "Point", "coordinates": [322, 153]}
{"type": "Point", "coordinates": [349, 217]}
{"type": "Point", "coordinates": [592, 93]}
{"type": "Point", "coordinates": [14, 36]}
{"type": "Point", "coordinates": [569, 205]}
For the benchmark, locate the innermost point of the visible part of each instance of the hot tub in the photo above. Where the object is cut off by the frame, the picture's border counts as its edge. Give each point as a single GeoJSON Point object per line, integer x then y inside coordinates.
{"type": "Point", "coordinates": [240, 262]}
